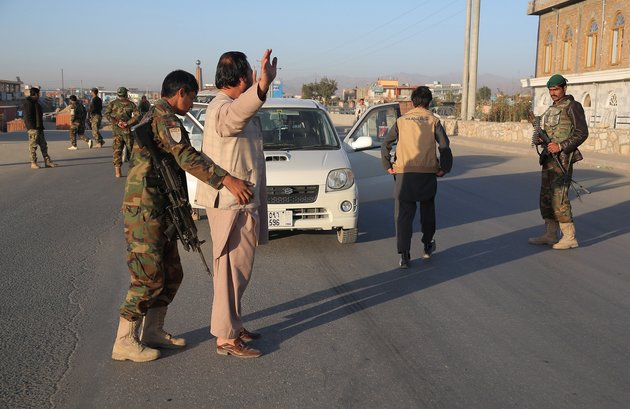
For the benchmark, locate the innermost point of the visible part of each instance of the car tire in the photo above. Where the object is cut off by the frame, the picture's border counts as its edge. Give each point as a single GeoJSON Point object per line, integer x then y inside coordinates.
{"type": "Point", "coordinates": [347, 236]}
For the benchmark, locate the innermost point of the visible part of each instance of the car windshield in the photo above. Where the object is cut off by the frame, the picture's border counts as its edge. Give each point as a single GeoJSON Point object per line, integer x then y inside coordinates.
{"type": "Point", "coordinates": [296, 129]}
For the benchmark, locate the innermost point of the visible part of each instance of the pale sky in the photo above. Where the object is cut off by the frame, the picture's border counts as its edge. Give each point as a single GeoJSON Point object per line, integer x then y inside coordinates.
{"type": "Point", "coordinates": [137, 42]}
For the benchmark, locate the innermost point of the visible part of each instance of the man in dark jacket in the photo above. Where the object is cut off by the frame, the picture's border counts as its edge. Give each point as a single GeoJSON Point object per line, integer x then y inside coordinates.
{"type": "Point", "coordinates": [95, 110]}
{"type": "Point", "coordinates": [34, 120]}
{"type": "Point", "coordinates": [416, 167]}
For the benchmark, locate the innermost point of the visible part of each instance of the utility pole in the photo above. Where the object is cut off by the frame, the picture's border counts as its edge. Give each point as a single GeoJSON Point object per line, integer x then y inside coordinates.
{"type": "Point", "coordinates": [465, 79]}
{"type": "Point", "coordinates": [474, 59]}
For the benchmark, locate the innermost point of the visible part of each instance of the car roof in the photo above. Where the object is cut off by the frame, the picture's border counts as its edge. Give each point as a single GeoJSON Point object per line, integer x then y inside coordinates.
{"type": "Point", "coordinates": [281, 103]}
{"type": "Point", "coordinates": [291, 103]}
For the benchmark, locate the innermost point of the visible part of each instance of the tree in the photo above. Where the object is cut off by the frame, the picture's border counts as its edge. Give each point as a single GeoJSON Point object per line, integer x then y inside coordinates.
{"type": "Point", "coordinates": [484, 94]}
{"type": "Point", "coordinates": [321, 91]}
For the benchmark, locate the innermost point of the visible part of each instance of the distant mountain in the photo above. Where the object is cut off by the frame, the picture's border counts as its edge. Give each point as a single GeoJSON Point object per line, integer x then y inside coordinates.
{"type": "Point", "coordinates": [293, 86]}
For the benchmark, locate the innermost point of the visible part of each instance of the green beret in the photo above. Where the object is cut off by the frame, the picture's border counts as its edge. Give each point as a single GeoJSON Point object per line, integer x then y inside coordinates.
{"type": "Point", "coordinates": [556, 80]}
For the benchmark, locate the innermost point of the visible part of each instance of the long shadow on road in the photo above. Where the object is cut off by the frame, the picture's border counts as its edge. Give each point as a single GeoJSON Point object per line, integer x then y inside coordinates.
{"type": "Point", "coordinates": [323, 307]}
{"type": "Point", "coordinates": [326, 306]}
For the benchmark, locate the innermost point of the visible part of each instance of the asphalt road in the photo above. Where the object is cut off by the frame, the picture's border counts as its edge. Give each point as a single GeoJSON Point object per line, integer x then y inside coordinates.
{"type": "Point", "coordinates": [488, 322]}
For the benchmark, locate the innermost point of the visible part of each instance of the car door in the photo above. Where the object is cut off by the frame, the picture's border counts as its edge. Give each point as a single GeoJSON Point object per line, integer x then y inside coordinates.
{"type": "Point", "coordinates": [363, 141]}
{"type": "Point", "coordinates": [195, 132]}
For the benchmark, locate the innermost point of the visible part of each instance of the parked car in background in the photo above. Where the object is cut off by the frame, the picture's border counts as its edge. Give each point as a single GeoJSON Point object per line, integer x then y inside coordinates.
{"type": "Point", "coordinates": [311, 172]}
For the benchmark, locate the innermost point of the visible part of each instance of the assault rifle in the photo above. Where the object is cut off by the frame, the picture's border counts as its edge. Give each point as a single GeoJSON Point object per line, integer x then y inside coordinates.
{"type": "Point", "coordinates": [170, 184]}
{"type": "Point", "coordinates": [541, 134]}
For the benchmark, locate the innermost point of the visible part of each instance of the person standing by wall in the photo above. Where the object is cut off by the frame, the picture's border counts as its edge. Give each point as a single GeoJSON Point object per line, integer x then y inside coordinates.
{"type": "Point", "coordinates": [416, 168]}
{"type": "Point", "coordinates": [238, 223]}
{"type": "Point", "coordinates": [95, 110]}
{"type": "Point", "coordinates": [77, 123]}
{"type": "Point", "coordinates": [152, 258]}
{"type": "Point", "coordinates": [34, 121]}
{"type": "Point", "coordinates": [565, 124]}
{"type": "Point", "coordinates": [122, 113]}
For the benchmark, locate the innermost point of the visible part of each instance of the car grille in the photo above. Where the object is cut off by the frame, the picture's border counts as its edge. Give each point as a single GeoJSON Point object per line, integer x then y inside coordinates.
{"type": "Point", "coordinates": [291, 194]}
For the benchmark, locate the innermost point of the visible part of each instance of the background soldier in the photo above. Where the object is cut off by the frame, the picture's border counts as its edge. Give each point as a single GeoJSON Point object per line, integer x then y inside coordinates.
{"type": "Point", "coordinates": [144, 105]}
{"type": "Point", "coordinates": [153, 260]}
{"type": "Point", "coordinates": [122, 113]}
{"type": "Point", "coordinates": [94, 113]}
{"type": "Point", "coordinates": [565, 124]}
{"type": "Point", "coordinates": [77, 123]}
{"type": "Point", "coordinates": [34, 120]}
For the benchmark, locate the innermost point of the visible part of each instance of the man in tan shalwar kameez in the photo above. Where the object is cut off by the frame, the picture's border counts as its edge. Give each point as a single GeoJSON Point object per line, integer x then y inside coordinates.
{"type": "Point", "coordinates": [232, 138]}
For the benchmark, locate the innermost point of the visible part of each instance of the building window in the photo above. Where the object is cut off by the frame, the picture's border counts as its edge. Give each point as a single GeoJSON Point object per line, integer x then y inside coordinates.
{"type": "Point", "coordinates": [587, 101]}
{"type": "Point", "coordinates": [548, 49]}
{"type": "Point", "coordinates": [591, 44]}
{"type": "Point", "coordinates": [617, 38]}
{"type": "Point", "coordinates": [566, 48]}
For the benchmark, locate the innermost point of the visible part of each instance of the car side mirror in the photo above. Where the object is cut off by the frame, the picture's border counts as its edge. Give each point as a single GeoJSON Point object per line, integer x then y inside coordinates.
{"type": "Point", "coordinates": [362, 142]}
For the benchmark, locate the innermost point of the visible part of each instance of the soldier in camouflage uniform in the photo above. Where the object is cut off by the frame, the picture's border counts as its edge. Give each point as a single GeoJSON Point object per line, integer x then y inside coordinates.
{"type": "Point", "coordinates": [95, 110]}
{"type": "Point", "coordinates": [77, 123]}
{"type": "Point", "coordinates": [153, 260]}
{"type": "Point", "coordinates": [566, 126]}
{"type": "Point", "coordinates": [34, 121]}
{"type": "Point", "coordinates": [122, 113]}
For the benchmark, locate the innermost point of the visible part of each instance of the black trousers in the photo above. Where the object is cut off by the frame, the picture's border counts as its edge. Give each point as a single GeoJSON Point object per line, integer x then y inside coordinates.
{"type": "Point", "coordinates": [404, 213]}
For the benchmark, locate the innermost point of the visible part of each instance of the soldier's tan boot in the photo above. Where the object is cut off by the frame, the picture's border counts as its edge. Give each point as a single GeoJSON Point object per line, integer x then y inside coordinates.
{"type": "Point", "coordinates": [117, 172]}
{"type": "Point", "coordinates": [49, 163]}
{"type": "Point", "coordinates": [127, 345]}
{"type": "Point", "coordinates": [550, 236]}
{"type": "Point", "coordinates": [153, 333]}
{"type": "Point", "coordinates": [34, 165]}
{"type": "Point", "coordinates": [568, 240]}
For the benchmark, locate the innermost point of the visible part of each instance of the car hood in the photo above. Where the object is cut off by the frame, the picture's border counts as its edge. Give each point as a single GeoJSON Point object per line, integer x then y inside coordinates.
{"type": "Point", "coordinates": [303, 167]}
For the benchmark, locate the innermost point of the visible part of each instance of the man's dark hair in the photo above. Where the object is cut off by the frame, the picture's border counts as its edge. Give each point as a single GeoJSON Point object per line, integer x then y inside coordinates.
{"type": "Point", "coordinates": [95, 90]}
{"type": "Point", "coordinates": [421, 96]}
{"type": "Point", "coordinates": [231, 68]}
{"type": "Point", "coordinates": [73, 98]}
{"type": "Point", "coordinates": [33, 91]}
{"type": "Point", "coordinates": [176, 80]}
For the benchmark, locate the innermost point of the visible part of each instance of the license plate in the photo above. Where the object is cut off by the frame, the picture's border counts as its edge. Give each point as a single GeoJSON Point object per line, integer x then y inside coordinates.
{"type": "Point", "coordinates": [282, 218]}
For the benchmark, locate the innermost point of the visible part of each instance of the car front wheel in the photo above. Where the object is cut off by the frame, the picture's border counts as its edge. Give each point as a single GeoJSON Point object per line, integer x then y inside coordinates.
{"type": "Point", "coordinates": [346, 236]}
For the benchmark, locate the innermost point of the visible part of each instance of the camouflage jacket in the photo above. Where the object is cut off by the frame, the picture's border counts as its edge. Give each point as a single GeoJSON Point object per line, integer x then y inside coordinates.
{"type": "Point", "coordinates": [172, 139]}
{"type": "Point", "coordinates": [124, 110]}
{"type": "Point", "coordinates": [565, 123]}
{"type": "Point", "coordinates": [77, 113]}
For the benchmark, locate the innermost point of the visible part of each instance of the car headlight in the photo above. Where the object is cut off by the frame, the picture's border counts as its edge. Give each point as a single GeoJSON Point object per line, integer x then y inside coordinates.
{"type": "Point", "coordinates": [339, 179]}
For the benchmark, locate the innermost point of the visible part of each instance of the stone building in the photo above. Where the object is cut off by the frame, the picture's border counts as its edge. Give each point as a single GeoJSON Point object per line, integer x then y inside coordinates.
{"type": "Point", "coordinates": [584, 41]}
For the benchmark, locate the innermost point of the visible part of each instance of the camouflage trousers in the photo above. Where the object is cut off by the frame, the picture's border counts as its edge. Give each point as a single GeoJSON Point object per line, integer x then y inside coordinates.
{"type": "Point", "coordinates": [121, 139]}
{"type": "Point", "coordinates": [554, 193]}
{"type": "Point", "coordinates": [95, 123]}
{"type": "Point", "coordinates": [153, 262]}
{"type": "Point", "coordinates": [36, 138]}
{"type": "Point", "coordinates": [74, 129]}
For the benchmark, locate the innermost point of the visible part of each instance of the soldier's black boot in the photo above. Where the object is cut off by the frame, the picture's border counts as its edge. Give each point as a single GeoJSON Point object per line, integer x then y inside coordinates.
{"type": "Point", "coordinates": [429, 249]}
{"type": "Point", "coordinates": [405, 258]}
